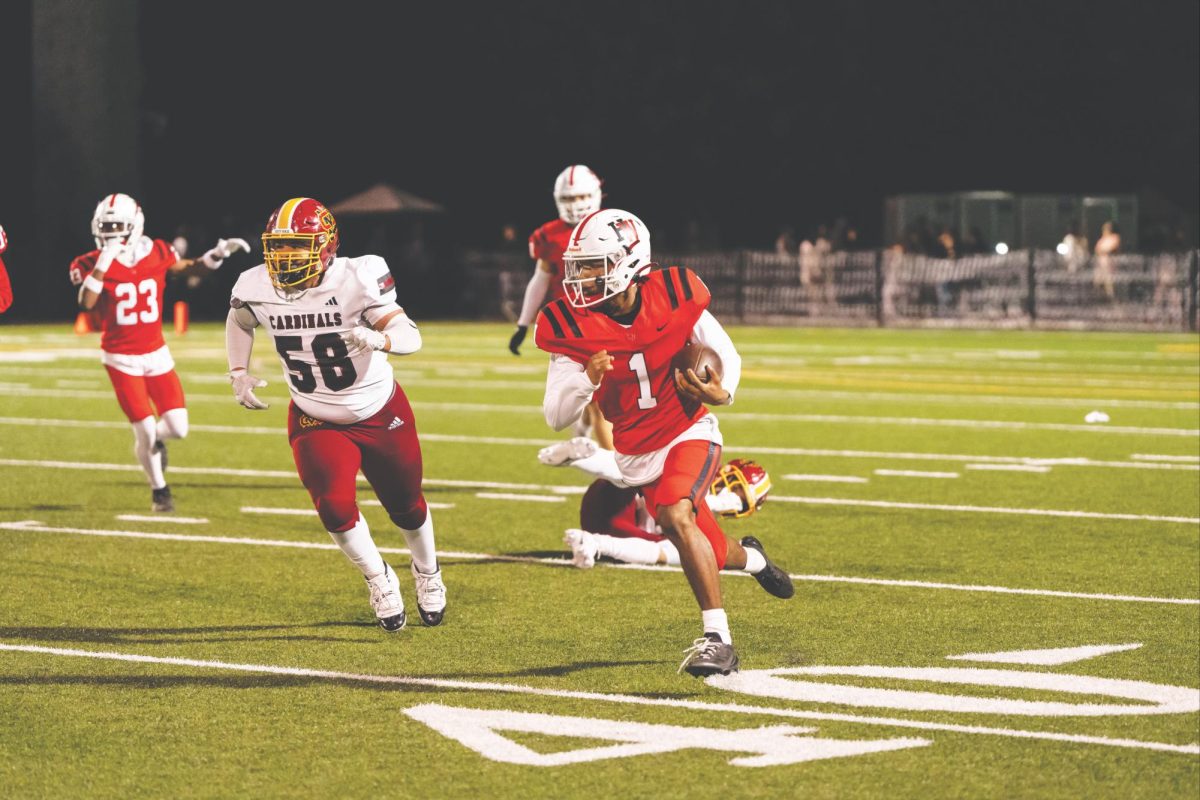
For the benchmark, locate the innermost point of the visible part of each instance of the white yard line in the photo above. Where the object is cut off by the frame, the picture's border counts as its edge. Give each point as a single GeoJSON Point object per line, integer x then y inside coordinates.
{"type": "Point", "coordinates": [824, 478]}
{"type": "Point", "coordinates": [529, 498]}
{"type": "Point", "coordinates": [32, 526]}
{"type": "Point", "coordinates": [1010, 467]}
{"type": "Point", "coordinates": [312, 512]}
{"type": "Point", "coordinates": [1176, 459]}
{"type": "Point", "coordinates": [622, 699]}
{"type": "Point", "coordinates": [912, 473]}
{"type": "Point", "coordinates": [163, 518]}
{"type": "Point", "coordinates": [568, 490]}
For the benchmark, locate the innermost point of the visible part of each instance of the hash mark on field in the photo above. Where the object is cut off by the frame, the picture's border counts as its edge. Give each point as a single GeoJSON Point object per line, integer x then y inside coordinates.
{"type": "Point", "coordinates": [154, 518]}
{"type": "Point", "coordinates": [32, 526]}
{"type": "Point", "coordinates": [912, 473]}
{"type": "Point", "coordinates": [625, 699]}
{"type": "Point", "coordinates": [532, 498]}
{"type": "Point", "coordinates": [1010, 467]}
{"type": "Point", "coordinates": [826, 478]}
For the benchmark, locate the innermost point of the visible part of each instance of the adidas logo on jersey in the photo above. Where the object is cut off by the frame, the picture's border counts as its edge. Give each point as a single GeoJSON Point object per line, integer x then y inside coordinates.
{"type": "Point", "coordinates": [332, 301]}
{"type": "Point", "coordinates": [396, 423]}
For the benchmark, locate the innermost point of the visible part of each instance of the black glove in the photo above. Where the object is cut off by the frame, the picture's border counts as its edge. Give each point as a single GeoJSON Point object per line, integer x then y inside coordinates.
{"type": "Point", "coordinates": [514, 344]}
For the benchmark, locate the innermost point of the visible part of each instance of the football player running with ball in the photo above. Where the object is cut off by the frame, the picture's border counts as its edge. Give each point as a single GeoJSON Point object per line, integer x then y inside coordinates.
{"type": "Point", "coordinates": [614, 338]}
{"type": "Point", "coordinates": [123, 279]}
{"type": "Point", "coordinates": [333, 321]}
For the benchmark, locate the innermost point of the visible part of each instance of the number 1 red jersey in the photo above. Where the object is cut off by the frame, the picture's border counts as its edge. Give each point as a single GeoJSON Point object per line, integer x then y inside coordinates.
{"type": "Point", "coordinates": [131, 304]}
{"type": "Point", "coordinates": [638, 396]}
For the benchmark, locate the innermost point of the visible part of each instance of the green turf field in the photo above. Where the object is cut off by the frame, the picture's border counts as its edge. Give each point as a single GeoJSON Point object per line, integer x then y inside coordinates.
{"type": "Point", "coordinates": [937, 494]}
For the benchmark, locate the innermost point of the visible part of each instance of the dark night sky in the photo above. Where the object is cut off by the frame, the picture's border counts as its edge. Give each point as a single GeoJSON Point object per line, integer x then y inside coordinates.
{"type": "Point", "coordinates": [742, 115]}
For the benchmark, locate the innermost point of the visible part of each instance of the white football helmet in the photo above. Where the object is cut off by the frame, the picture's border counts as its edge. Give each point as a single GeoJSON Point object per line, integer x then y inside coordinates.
{"type": "Point", "coordinates": [117, 217]}
{"type": "Point", "coordinates": [605, 253]}
{"type": "Point", "coordinates": [576, 193]}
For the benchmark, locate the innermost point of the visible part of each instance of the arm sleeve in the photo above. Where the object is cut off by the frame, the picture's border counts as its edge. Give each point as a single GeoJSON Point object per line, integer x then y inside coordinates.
{"type": "Point", "coordinates": [402, 333]}
{"type": "Point", "coordinates": [709, 333]}
{"type": "Point", "coordinates": [239, 336]}
{"type": "Point", "coordinates": [568, 391]}
{"type": "Point", "coordinates": [535, 293]}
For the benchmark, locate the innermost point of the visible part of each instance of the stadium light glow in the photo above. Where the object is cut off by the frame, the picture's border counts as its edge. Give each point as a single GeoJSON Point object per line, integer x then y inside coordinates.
{"type": "Point", "coordinates": [1062, 248]}
{"type": "Point", "coordinates": [1001, 248]}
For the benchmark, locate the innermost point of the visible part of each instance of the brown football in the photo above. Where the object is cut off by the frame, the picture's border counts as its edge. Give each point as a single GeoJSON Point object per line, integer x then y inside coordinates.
{"type": "Point", "coordinates": [697, 357]}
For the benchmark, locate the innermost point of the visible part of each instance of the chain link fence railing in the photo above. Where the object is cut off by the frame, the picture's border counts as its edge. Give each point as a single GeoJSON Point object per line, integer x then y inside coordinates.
{"type": "Point", "coordinates": [1025, 288]}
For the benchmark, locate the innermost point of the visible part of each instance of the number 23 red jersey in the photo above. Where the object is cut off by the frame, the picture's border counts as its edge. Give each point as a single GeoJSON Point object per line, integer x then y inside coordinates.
{"type": "Point", "coordinates": [131, 304]}
{"type": "Point", "coordinates": [638, 396]}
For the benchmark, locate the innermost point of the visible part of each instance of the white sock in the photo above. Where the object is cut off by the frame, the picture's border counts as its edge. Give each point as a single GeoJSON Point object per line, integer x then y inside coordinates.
{"type": "Point", "coordinates": [143, 451]}
{"type": "Point", "coordinates": [601, 464]}
{"type": "Point", "coordinates": [669, 552]}
{"type": "Point", "coordinates": [629, 550]}
{"type": "Point", "coordinates": [360, 548]}
{"type": "Point", "coordinates": [420, 542]}
{"type": "Point", "coordinates": [173, 424]}
{"type": "Point", "coordinates": [716, 622]}
{"type": "Point", "coordinates": [756, 562]}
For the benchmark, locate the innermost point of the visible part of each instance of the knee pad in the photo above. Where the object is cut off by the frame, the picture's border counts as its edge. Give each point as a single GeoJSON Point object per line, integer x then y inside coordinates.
{"type": "Point", "coordinates": [412, 517]}
{"type": "Point", "coordinates": [338, 514]}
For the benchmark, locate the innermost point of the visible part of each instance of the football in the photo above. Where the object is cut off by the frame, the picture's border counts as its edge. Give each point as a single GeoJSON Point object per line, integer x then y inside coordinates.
{"type": "Point", "coordinates": [698, 357]}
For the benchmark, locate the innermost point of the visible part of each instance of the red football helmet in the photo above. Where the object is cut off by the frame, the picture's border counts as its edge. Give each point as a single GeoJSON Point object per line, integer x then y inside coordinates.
{"type": "Point", "coordinates": [748, 480]}
{"type": "Point", "coordinates": [300, 242]}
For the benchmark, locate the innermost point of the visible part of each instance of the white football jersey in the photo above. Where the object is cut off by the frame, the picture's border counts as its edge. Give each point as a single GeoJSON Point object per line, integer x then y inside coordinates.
{"type": "Point", "coordinates": [326, 382]}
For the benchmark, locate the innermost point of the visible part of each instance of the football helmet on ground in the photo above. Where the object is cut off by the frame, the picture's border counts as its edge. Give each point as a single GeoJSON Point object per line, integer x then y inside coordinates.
{"type": "Point", "coordinates": [300, 242]}
{"type": "Point", "coordinates": [606, 251]}
{"type": "Point", "coordinates": [748, 480]}
{"type": "Point", "coordinates": [576, 193]}
{"type": "Point", "coordinates": [117, 218]}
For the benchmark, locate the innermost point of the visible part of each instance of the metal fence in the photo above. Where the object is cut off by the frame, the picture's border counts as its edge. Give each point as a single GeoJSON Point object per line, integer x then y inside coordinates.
{"type": "Point", "coordinates": [1021, 289]}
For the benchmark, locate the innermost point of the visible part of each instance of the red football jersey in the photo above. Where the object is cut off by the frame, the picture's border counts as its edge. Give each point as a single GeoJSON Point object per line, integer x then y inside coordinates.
{"type": "Point", "coordinates": [638, 396]}
{"type": "Point", "coordinates": [548, 243]}
{"type": "Point", "coordinates": [132, 301]}
{"type": "Point", "coordinates": [6, 295]}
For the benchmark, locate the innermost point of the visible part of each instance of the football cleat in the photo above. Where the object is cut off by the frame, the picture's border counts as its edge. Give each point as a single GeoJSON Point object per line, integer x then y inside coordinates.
{"type": "Point", "coordinates": [431, 596]}
{"type": "Point", "coordinates": [770, 577]}
{"type": "Point", "coordinates": [562, 453]}
{"type": "Point", "coordinates": [708, 655]}
{"type": "Point", "coordinates": [160, 447]}
{"type": "Point", "coordinates": [161, 500]}
{"type": "Point", "coordinates": [386, 599]}
{"type": "Point", "coordinates": [584, 548]}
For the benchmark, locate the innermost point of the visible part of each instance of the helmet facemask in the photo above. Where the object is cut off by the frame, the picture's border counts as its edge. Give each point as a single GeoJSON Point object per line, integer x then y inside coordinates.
{"type": "Point", "coordinates": [118, 218]}
{"type": "Point", "coordinates": [572, 208]}
{"type": "Point", "coordinates": [592, 279]}
{"type": "Point", "coordinates": [299, 244]}
{"type": "Point", "coordinates": [732, 478]}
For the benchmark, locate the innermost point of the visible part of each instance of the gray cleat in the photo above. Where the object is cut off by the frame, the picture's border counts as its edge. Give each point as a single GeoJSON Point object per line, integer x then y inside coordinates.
{"type": "Point", "coordinates": [708, 655]}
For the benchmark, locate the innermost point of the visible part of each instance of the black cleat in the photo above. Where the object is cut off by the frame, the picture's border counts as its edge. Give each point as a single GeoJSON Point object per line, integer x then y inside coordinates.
{"type": "Point", "coordinates": [708, 655]}
{"type": "Point", "coordinates": [771, 578]}
{"type": "Point", "coordinates": [160, 447]}
{"type": "Point", "coordinates": [161, 500]}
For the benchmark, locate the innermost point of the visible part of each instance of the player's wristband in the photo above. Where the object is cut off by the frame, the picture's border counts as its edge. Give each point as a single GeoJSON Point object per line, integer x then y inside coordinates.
{"type": "Point", "coordinates": [93, 284]}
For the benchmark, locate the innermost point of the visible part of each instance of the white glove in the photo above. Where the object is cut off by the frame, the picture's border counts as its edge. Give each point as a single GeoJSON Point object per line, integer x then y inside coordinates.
{"type": "Point", "coordinates": [3, 240]}
{"type": "Point", "coordinates": [224, 249]}
{"type": "Point", "coordinates": [362, 338]}
{"type": "Point", "coordinates": [244, 385]}
{"type": "Point", "coordinates": [107, 254]}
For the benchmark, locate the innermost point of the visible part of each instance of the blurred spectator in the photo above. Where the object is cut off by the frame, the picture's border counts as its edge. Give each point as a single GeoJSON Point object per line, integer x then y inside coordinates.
{"type": "Point", "coordinates": [6, 296]}
{"type": "Point", "coordinates": [785, 243]}
{"type": "Point", "coordinates": [973, 242]}
{"type": "Point", "coordinates": [946, 244]}
{"type": "Point", "coordinates": [1073, 248]}
{"type": "Point", "coordinates": [813, 256]}
{"type": "Point", "coordinates": [1108, 245]}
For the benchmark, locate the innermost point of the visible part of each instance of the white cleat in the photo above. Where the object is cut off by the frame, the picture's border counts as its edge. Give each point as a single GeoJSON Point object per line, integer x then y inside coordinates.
{"type": "Point", "coordinates": [584, 548]}
{"type": "Point", "coordinates": [386, 599]}
{"type": "Point", "coordinates": [431, 596]}
{"type": "Point", "coordinates": [557, 455]}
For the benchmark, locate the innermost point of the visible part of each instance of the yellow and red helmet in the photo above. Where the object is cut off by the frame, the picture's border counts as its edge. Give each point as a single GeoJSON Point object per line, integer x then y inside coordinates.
{"type": "Point", "coordinates": [300, 242]}
{"type": "Point", "coordinates": [748, 480]}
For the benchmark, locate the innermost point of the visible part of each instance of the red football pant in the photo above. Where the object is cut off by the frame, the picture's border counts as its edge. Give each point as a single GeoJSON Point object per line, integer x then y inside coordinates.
{"type": "Point", "coordinates": [689, 471]}
{"type": "Point", "coordinates": [135, 393]}
{"type": "Point", "coordinates": [611, 510]}
{"type": "Point", "coordinates": [328, 458]}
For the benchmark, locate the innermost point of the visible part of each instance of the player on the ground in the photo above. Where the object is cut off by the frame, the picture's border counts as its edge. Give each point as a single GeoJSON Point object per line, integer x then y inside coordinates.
{"type": "Point", "coordinates": [123, 279]}
{"type": "Point", "coordinates": [613, 520]}
{"type": "Point", "coordinates": [614, 338]}
{"type": "Point", "coordinates": [333, 320]}
{"type": "Point", "coordinates": [577, 193]}
{"type": "Point", "coordinates": [6, 295]}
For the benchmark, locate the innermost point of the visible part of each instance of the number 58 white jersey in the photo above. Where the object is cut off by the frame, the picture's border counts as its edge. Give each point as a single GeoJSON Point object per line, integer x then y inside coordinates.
{"type": "Point", "coordinates": [326, 382]}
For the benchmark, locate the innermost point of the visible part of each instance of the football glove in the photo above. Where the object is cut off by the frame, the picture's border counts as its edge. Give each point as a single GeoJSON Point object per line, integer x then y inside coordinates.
{"type": "Point", "coordinates": [3, 240]}
{"type": "Point", "coordinates": [244, 385]}
{"type": "Point", "coordinates": [362, 338]}
{"type": "Point", "coordinates": [514, 344]}
{"type": "Point", "coordinates": [224, 249]}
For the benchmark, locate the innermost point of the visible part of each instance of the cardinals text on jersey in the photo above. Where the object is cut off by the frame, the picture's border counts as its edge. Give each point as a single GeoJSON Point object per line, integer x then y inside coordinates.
{"type": "Point", "coordinates": [131, 304]}
{"type": "Point", "coordinates": [638, 396]}
{"type": "Point", "coordinates": [325, 381]}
